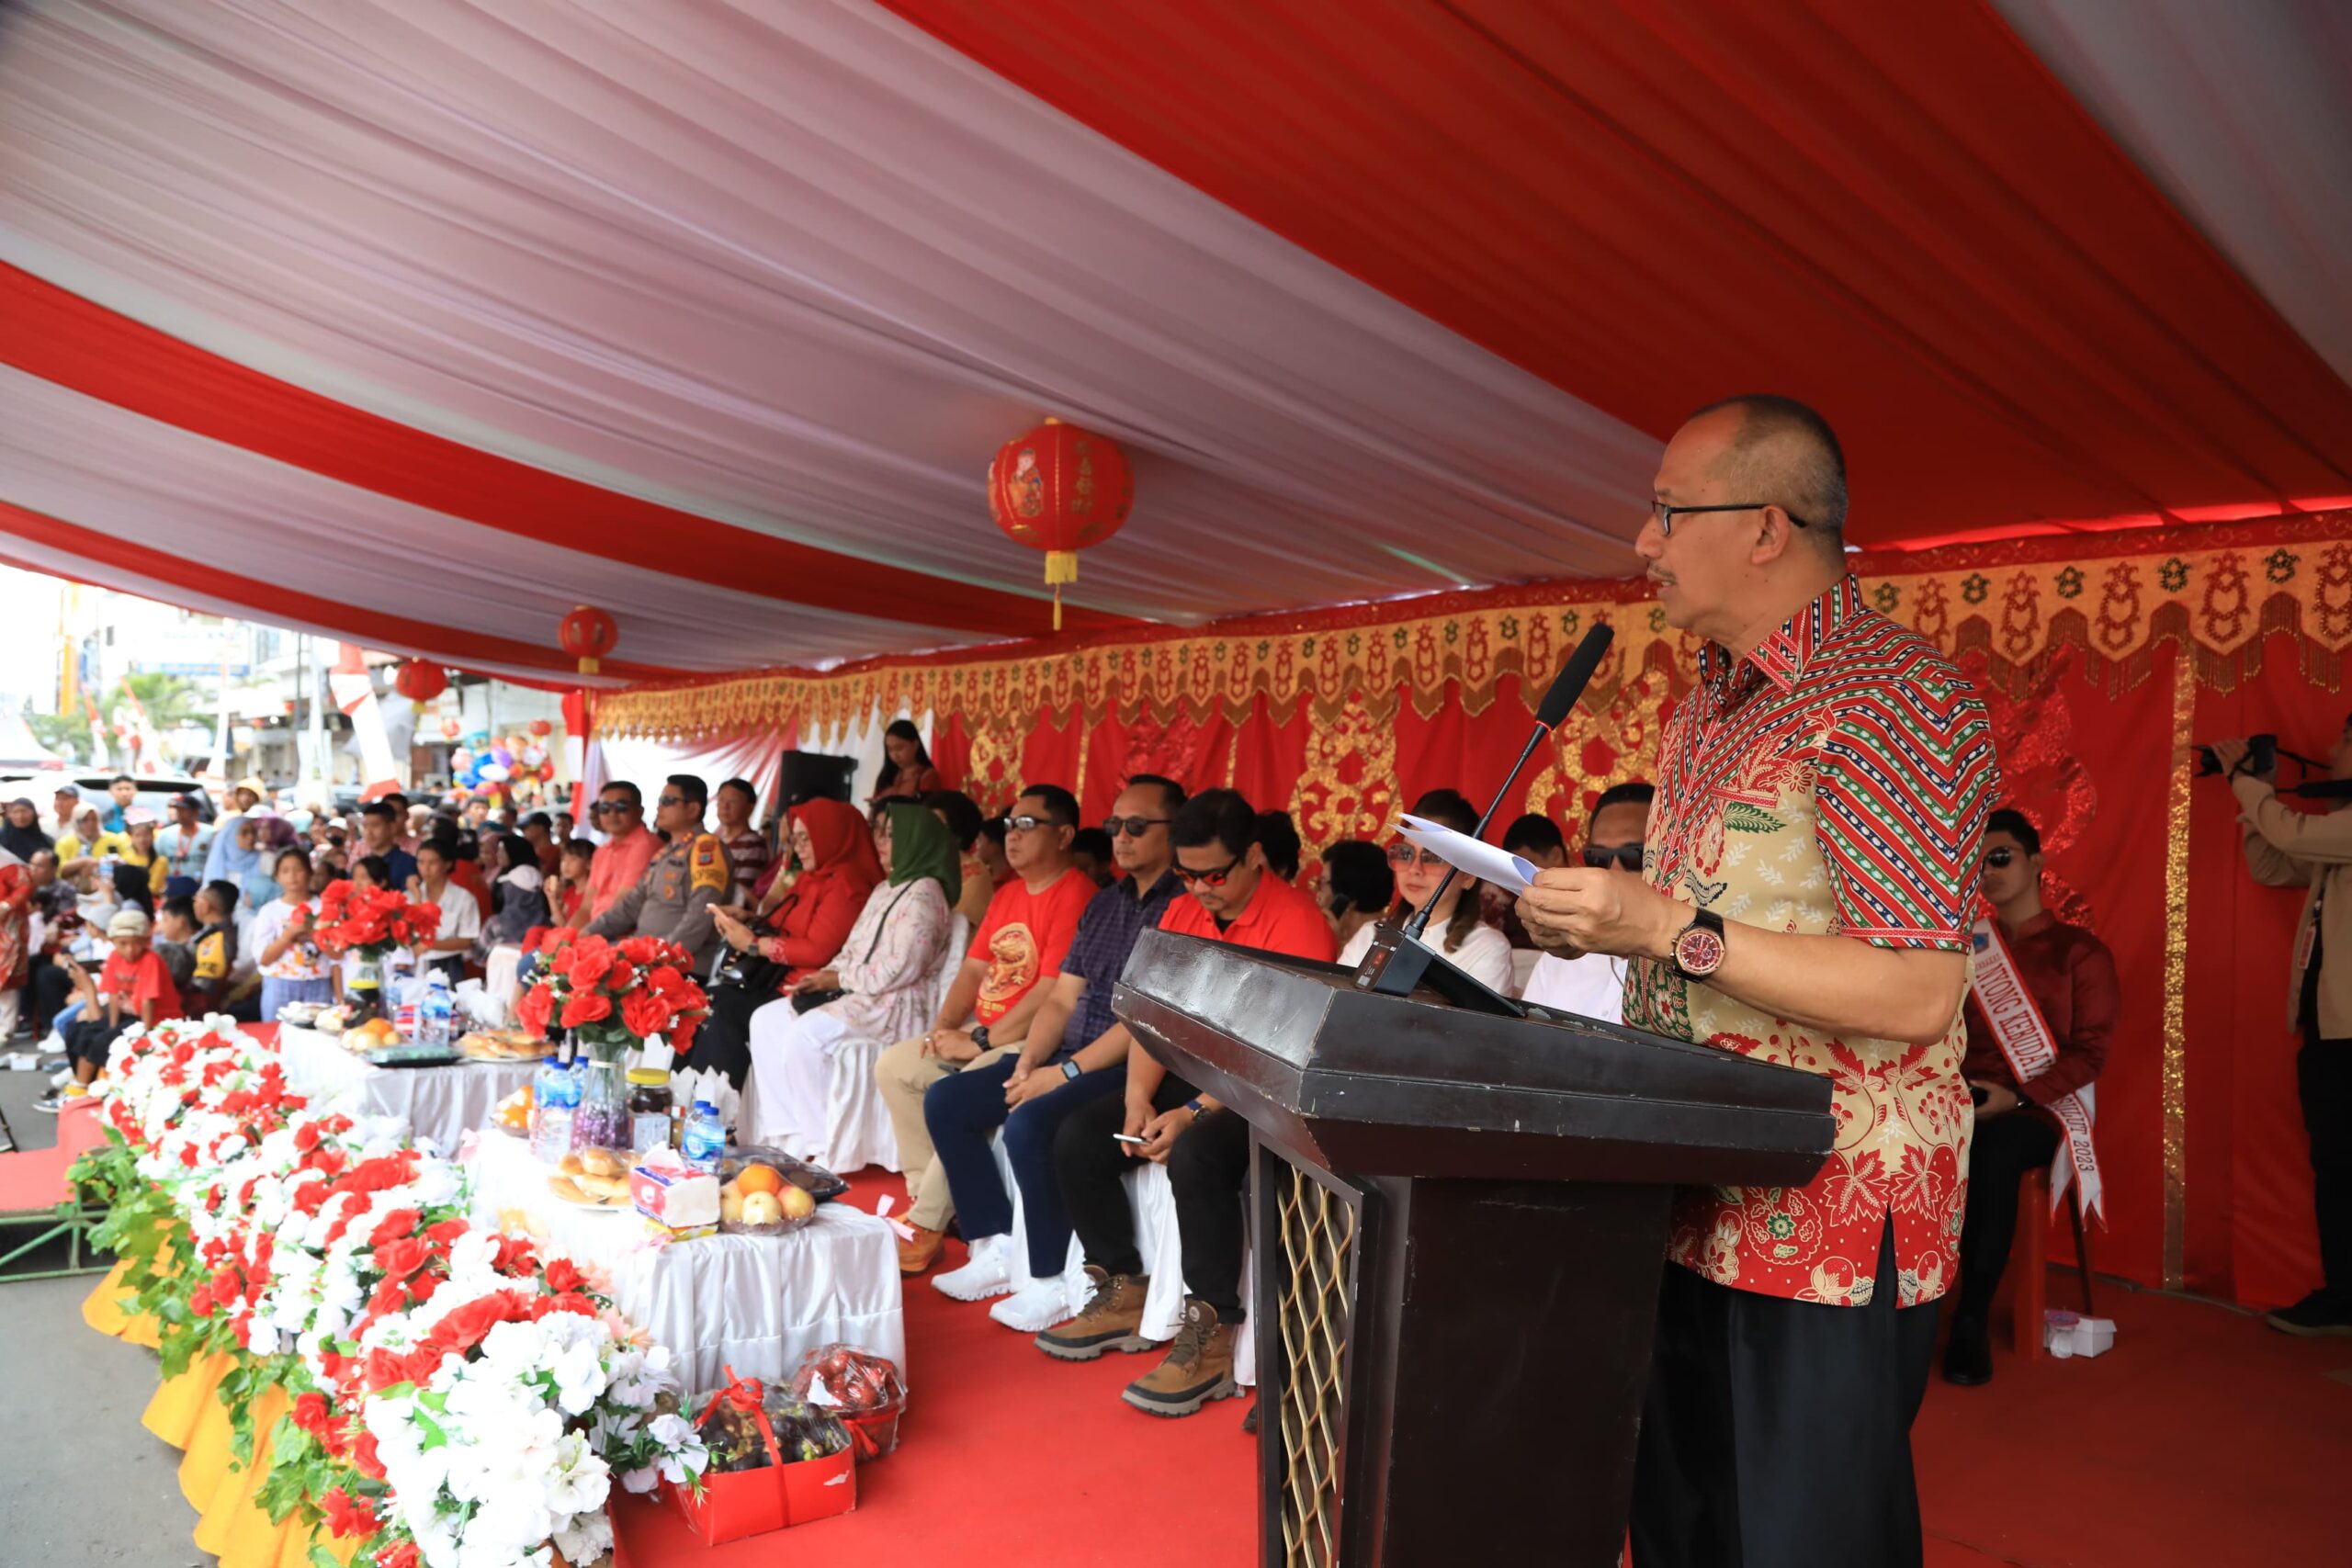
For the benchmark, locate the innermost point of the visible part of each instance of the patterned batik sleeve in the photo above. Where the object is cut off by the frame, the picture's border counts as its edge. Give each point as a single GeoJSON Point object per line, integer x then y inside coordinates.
{"type": "Point", "coordinates": [1907, 775]}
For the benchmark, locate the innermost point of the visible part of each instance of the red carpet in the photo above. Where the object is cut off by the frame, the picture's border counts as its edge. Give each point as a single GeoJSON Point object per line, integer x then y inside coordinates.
{"type": "Point", "coordinates": [2203, 1438]}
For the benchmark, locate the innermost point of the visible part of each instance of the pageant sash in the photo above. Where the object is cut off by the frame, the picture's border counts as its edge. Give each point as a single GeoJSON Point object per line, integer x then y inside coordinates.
{"type": "Point", "coordinates": [2025, 1041]}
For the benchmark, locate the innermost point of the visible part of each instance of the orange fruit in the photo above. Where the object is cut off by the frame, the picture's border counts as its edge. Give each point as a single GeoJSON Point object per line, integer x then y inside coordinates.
{"type": "Point", "coordinates": [759, 1178]}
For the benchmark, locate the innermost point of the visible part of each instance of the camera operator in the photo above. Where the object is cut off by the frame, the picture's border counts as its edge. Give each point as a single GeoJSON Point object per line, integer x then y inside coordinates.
{"type": "Point", "coordinates": [2285, 848]}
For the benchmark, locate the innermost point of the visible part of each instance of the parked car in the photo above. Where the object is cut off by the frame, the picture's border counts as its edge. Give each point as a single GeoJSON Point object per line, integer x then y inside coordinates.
{"type": "Point", "coordinates": [156, 791]}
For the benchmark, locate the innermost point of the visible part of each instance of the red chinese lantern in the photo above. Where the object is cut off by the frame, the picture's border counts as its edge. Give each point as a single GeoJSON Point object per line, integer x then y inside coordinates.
{"type": "Point", "coordinates": [1061, 490]}
{"type": "Point", "coordinates": [542, 728]}
{"type": "Point", "coordinates": [587, 634]}
{"type": "Point", "coordinates": [420, 682]}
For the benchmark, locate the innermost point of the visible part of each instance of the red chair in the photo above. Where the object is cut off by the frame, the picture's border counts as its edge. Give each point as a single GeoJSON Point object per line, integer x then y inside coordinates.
{"type": "Point", "coordinates": [2028, 1261]}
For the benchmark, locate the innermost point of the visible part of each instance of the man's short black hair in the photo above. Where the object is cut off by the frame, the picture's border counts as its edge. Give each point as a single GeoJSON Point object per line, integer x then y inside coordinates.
{"type": "Point", "coordinates": [993, 829]}
{"type": "Point", "coordinates": [1061, 807]}
{"type": "Point", "coordinates": [960, 812]}
{"type": "Point", "coordinates": [1534, 832]}
{"type": "Point", "coordinates": [1278, 836]}
{"type": "Point", "coordinates": [1787, 449]}
{"type": "Point", "coordinates": [1633, 792]}
{"type": "Point", "coordinates": [1215, 816]}
{"type": "Point", "coordinates": [224, 894]}
{"type": "Point", "coordinates": [1092, 842]}
{"type": "Point", "coordinates": [750, 796]}
{"type": "Point", "coordinates": [1171, 793]}
{"type": "Point", "coordinates": [537, 819]}
{"type": "Point", "coordinates": [2016, 826]}
{"type": "Point", "coordinates": [121, 778]}
{"type": "Point", "coordinates": [691, 787]}
{"type": "Point", "coordinates": [182, 906]}
{"type": "Point", "coordinates": [391, 796]}
{"type": "Point", "coordinates": [636, 796]}
{"type": "Point", "coordinates": [380, 810]}
{"type": "Point", "coordinates": [1356, 876]}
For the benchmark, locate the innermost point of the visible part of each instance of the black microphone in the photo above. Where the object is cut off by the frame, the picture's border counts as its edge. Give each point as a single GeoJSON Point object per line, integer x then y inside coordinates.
{"type": "Point", "coordinates": [1567, 687]}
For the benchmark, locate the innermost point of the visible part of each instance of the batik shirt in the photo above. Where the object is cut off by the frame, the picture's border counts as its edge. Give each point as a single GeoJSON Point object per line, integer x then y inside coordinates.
{"type": "Point", "coordinates": [1833, 782]}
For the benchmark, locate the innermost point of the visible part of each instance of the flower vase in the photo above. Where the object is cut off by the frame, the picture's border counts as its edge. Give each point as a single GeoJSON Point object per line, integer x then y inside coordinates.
{"type": "Point", "coordinates": [363, 998]}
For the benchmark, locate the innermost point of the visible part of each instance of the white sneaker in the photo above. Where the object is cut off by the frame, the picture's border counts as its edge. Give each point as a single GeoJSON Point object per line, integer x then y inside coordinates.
{"type": "Point", "coordinates": [986, 1275]}
{"type": "Point", "coordinates": [59, 1080]}
{"type": "Point", "coordinates": [1035, 1307]}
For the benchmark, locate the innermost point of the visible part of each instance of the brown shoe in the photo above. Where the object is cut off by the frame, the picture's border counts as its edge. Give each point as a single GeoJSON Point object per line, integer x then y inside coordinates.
{"type": "Point", "coordinates": [1112, 1319]}
{"type": "Point", "coordinates": [920, 1254]}
{"type": "Point", "coordinates": [1199, 1366]}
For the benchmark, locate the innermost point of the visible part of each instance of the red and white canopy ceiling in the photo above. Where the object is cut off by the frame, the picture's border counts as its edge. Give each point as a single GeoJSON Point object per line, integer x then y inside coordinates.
{"type": "Point", "coordinates": [420, 321]}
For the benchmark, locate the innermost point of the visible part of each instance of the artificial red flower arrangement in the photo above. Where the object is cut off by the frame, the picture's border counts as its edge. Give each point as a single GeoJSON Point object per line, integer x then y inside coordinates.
{"type": "Point", "coordinates": [616, 994]}
{"type": "Point", "coordinates": [372, 921]}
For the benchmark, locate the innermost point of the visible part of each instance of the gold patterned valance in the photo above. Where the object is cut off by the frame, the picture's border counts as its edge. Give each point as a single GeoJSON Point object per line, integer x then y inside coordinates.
{"type": "Point", "coordinates": [2218, 590]}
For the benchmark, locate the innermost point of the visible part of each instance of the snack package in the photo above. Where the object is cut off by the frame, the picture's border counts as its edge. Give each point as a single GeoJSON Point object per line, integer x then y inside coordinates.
{"type": "Point", "coordinates": [864, 1389]}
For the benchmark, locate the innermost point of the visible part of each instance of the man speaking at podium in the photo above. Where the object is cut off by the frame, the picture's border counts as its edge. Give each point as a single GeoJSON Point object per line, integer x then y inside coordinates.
{"type": "Point", "coordinates": [1809, 877]}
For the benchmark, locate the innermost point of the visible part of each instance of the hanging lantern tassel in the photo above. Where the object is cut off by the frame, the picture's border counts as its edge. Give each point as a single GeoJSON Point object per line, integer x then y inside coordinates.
{"type": "Point", "coordinates": [1061, 566]}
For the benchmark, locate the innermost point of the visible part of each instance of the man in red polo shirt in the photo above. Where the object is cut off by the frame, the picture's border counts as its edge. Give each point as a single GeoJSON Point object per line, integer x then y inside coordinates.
{"type": "Point", "coordinates": [1229, 896]}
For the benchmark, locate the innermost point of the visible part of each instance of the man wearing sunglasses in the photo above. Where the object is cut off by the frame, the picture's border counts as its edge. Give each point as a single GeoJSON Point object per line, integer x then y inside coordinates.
{"type": "Point", "coordinates": [1075, 1051]}
{"type": "Point", "coordinates": [1230, 896]}
{"type": "Point", "coordinates": [686, 879]}
{"type": "Point", "coordinates": [1006, 977]}
{"type": "Point", "coordinates": [1592, 985]}
{"type": "Point", "coordinates": [618, 813]}
{"type": "Point", "coordinates": [1810, 883]}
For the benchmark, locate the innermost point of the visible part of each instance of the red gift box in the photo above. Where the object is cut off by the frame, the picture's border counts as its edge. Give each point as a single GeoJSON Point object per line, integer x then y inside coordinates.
{"type": "Point", "coordinates": [752, 1502]}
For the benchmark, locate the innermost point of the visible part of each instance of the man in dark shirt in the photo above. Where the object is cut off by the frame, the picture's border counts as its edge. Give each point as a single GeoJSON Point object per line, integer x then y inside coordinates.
{"type": "Point", "coordinates": [1063, 1065]}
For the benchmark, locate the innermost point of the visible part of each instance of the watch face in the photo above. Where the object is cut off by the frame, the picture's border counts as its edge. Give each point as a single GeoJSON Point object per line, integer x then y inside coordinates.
{"type": "Point", "coordinates": [1699, 950]}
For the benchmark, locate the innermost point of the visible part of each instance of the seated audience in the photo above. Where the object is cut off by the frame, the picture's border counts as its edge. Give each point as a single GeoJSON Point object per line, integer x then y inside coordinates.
{"type": "Point", "coordinates": [1278, 841]}
{"type": "Point", "coordinates": [133, 889]}
{"type": "Point", "coordinates": [468, 872]}
{"type": "Point", "coordinates": [17, 890]}
{"type": "Point", "coordinates": [1455, 927]}
{"type": "Point", "coordinates": [686, 879]}
{"type": "Point", "coordinates": [518, 901]}
{"type": "Point", "coordinates": [221, 982]}
{"type": "Point", "coordinates": [1005, 977]}
{"type": "Point", "coordinates": [1592, 985]}
{"type": "Point", "coordinates": [2070, 976]}
{"type": "Point", "coordinates": [437, 858]}
{"type": "Point", "coordinates": [176, 928]}
{"type": "Point", "coordinates": [185, 845]}
{"type": "Point", "coordinates": [122, 791]}
{"type": "Point", "coordinates": [747, 851]}
{"type": "Point", "coordinates": [567, 827]}
{"type": "Point", "coordinates": [571, 892]}
{"type": "Point", "coordinates": [629, 848]}
{"type": "Point", "coordinates": [1075, 1051]}
{"type": "Point", "coordinates": [380, 835]}
{"type": "Point", "coordinates": [1357, 888]}
{"type": "Point", "coordinates": [143, 853]}
{"type": "Point", "coordinates": [1231, 896]}
{"type": "Point", "coordinates": [877, 989]}
{"type": "Point", "coordinates": [1537, 839]}
{"type": "Point", "coordinates": [1090, 851]}
{"type": "Point", "coordinates": [539, 829]}
{"type": "Point", "coordinates": [132, 987]}
{"type": "Point", "coordinates": [65, 803]}
{"type": "Point", "coordinates": [245, 799]}
{"type": "Point", "coordinates": [89, 843]}
{"type": "Point", "coordinates": [962, 816]}
{"type": "Point", "coordinates": [285, 941]}
{"type": "Point", "coordinates": [907, 773]}
{"type": "Point", "coordinates": [804, 931]}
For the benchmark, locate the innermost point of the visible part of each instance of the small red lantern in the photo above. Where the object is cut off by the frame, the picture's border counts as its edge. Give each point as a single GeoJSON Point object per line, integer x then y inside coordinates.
{"type": "Point", "coordinates": [587, 634]}
{"type": "Point", "coordinates": [420, 682]}
{"type": "Point", "coordinates": [449, 729]}
{"type": "Point", "coordinates": [542, 728]}
{"type": "Point", "coordinates": [1061, 490]}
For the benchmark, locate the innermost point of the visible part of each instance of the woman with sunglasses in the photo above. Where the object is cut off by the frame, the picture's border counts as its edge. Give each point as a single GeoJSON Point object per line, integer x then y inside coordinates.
{"type": "Point", "coordinates": [1454, 928]}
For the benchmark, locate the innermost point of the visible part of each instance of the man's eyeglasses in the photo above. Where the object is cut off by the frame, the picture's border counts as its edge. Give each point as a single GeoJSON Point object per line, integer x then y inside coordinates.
{"type": "Point", "coordinates": [2000, 856]}
{"type": "Point", "coordinates": [1401, 855]}
{"type": "Point", "coordinates": [1601, 857]}
{"type": "Point", "coordinates": [1217, 878]}
{"type": "Point", "coordinates": [1133, 827]}
{"type": "Point", "coordinates": [598, 807]}
{"type": "Point", "coordinates": [1025, 822]}
{"type": "Point", "coordinates": [666, 800]}
{"type": "Point", "coordinates": [1664, 515]}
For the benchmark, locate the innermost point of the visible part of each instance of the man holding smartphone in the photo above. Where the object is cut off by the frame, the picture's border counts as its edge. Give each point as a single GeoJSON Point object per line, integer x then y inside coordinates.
{"type": "Point", "coordinates": [2285, 848]}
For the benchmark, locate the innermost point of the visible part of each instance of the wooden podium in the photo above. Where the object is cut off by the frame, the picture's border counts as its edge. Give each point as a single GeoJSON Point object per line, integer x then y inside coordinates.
{"type": "Point", "coordinates": [1459, 1222]}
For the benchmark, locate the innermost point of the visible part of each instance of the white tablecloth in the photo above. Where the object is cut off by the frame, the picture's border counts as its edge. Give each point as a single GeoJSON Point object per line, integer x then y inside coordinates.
{"type": "Point", "coordinates": [440, 1103]}
{"type": "Point", "coordinates": [757, 1303]}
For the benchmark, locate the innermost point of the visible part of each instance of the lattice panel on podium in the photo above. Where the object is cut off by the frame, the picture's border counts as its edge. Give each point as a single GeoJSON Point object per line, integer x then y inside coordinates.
{"type": "Point", "coordinates": [1317, 1244]}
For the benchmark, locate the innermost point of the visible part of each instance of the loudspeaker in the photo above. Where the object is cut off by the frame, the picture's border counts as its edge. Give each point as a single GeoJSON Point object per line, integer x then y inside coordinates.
{"type": "Point", "coordinates": [814, 776]}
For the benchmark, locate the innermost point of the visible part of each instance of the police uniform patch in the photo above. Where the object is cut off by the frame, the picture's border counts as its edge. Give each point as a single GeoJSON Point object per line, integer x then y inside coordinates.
{"type": "Point", "coordinates": [710, 868]}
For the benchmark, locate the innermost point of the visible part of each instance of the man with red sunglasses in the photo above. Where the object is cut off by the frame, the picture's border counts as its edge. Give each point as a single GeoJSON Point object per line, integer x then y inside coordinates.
{"type": "Point", "coordinates": [1592, 985]}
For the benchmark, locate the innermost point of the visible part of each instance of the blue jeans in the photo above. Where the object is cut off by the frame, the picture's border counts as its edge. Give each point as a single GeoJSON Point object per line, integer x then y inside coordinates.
{"type": "Point", "coordinates": [963, 1108]}
{"type": "Point", "coordinates": [276, 994]}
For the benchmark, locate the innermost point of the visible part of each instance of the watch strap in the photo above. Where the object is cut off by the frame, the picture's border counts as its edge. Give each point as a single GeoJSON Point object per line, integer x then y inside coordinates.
{"type": "Point", "coordinates": [1071, 1070]}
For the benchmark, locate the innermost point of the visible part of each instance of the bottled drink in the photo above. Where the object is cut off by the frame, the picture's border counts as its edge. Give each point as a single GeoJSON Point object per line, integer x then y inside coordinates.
{"type": "Point", "coordinates": [437, 1010]}
{"type": "Point", "coordinates": [551, 1131]}
{"type": "Point", "coordinates": [410, 991]}
{"type": "Point", "coordinates": [706, 1137]}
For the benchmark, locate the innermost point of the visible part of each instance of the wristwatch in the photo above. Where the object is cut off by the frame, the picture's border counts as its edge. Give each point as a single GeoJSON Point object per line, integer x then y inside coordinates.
{"type": "Point", "coordinates": [980, 1035]}
{"type": "Point", "coordinates": [1196, 1108]}
{"type": "Point", "coordinates": [1071, 1071]}
{"type": "Point", "coordinates": [1699, 950]}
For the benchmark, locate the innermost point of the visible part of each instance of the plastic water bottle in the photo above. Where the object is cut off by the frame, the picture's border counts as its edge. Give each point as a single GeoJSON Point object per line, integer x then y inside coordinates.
{"type": "Point", "coordinates": [552, 1109]}
{"type": "Point", "coordinates": [410, 993]}
{"type": "Point", "coordinates": [706, 1137]}
{"type": "Point", "coordinates": [436, 1011]}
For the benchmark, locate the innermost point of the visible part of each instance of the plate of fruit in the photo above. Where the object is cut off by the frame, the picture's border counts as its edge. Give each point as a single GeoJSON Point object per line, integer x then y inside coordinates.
{"type": "Point", "coordinates": [757, 1199]}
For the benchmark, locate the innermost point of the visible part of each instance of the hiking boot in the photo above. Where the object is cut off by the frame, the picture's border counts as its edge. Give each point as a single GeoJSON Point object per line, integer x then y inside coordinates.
{"type": "Point", "coordinates": [1199, 1366]}
{"type": "Point", "coordinates": [923, 1251]}
{"type": "Point", "coordinates": [1112, 1319]}
{"type": "Point", "coordinates": [2319, 1313]}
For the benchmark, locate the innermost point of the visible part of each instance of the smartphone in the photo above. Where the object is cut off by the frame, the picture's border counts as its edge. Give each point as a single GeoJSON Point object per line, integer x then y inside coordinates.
{"type": "Point", "coordinates": [1124, 1138]}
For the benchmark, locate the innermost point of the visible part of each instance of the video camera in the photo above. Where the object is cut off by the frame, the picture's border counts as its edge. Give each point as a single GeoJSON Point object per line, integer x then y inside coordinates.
{"type": "Point", "coordinates": [2262, 756]}
{"type": "Point", "coordinates": [2262, 759]}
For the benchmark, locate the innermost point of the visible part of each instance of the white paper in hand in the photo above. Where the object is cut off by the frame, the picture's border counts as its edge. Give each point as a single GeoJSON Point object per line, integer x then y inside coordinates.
{"type": "Point", "coordinates": [1471, 857]}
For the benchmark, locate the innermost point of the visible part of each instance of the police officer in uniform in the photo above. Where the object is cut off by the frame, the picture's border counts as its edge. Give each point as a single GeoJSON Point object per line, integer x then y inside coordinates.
{"type": "Point", "coordinates": [681, 884]}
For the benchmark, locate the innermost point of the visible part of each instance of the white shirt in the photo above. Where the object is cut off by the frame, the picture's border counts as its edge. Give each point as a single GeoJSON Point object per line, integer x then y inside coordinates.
{"type": "Point", "coordinates": [1591, 986]}
{"type": "Point", "coordinates": [460, 914]}
{"type": "Point", "coordinates": [301, 962]}
{"type": "Point", "coordinates": [1484, 956]}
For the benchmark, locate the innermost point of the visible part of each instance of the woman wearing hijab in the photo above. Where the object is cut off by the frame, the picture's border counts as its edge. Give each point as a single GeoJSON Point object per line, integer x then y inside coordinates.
{"type": "Point", "coordinates": [813, 1090]}
{"type": "Point", "coordinates": [20, 832]}
{"type": "Point", "coordinates": [907, 773]}
{"type": "Point", "coordinates": [518, 898]}
{"type": "Point", "coordinates": [805, 927]}
{"type": "Point", "coordinates": [258, 884]}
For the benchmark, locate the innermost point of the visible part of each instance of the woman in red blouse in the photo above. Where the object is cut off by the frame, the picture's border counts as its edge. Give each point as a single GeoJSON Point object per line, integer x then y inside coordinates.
{"type": "Point", "coordinates": [2071, 978]}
